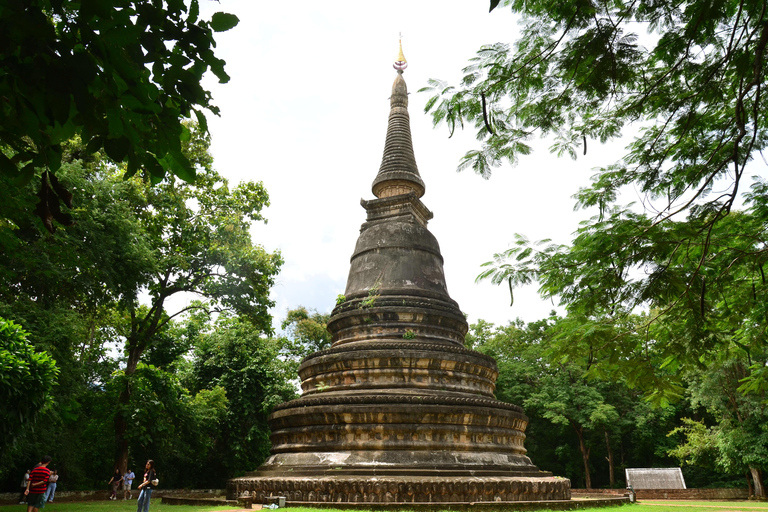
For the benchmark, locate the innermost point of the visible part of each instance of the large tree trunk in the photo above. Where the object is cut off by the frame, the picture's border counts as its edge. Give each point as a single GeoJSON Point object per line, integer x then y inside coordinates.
{"type": "Point", "coordinates": [121, 426]}
{"type": "Point", "coordinates": [611, 479]}
{"type": "Point", "coordinates": [757, 478]}
{"type": "Point", "coordinates": [121, 444]}
{"type": "Point", "coordinates": [584, 456]}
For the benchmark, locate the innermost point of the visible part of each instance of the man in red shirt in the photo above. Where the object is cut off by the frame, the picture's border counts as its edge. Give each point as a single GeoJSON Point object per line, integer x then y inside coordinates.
{"type": "Point", "coordinates": [37, 485]}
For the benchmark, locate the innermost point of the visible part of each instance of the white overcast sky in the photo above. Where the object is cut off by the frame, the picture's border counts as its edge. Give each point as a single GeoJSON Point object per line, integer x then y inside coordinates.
{"type": "Point", "coordinates": [306, 113]}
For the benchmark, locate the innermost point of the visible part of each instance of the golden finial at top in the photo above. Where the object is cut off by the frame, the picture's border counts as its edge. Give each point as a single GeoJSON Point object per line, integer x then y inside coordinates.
{"type": "Point", "coordinates": [400, 64]}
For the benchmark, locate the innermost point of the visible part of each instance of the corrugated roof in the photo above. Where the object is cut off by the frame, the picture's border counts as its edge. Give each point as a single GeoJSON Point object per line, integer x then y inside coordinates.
{"type": "Point", "coordinates": [655, 478]}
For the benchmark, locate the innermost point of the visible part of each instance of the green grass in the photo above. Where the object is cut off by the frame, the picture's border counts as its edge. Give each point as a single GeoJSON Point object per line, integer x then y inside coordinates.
{"type": "Point", "coordinates": [686, 506]}
{"type": "Point", "coordinates": [116, 506]}
{"type": "Point", "coordinates": [699, 506]}
{"type": "Point", "coordinates": [644, 506]}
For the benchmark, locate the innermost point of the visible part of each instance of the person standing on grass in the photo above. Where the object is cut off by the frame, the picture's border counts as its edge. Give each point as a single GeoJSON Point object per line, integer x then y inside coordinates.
{"type": "Point", "coordinates": [128, 478]}
{"type": "Point", "coordinates": [51, 486]}
{"type": "Point", "coordinates": [114, 483]}
{"type": "Point", "coordinates": [146, 487]}
{"type": "Point", "coordinates": [37, 485]}
{"type": "Point", "coordinates": [23, 495]}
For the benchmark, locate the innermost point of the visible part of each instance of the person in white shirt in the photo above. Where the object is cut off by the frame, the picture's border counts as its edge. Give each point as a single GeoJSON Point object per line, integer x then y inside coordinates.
{"type": "Point", "coordinates": [23, 497]}
{"type": "Point", "coordinates": [127, 482]}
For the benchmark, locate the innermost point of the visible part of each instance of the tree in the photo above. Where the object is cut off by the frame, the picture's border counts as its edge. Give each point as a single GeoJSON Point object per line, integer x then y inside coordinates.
{"type": "Point", "coordinates": [579, 413]}
{"type": "Point", "coordinates": [740, 436]}
{"type": "Point", "coordinates": [200, 243]}
{"type": "Point", "coordinates": [249, 367]}
{"type": "Point", "coordinates": [177, 428]}
{"type": "Point", "coordinates": [566, 399]}
{"type": "Point", "coordinates": [693, 87]}
{"type": "Point", "coordinates": [122, 75]}
{"type": "Point", "coordinates": [308, 330]}
{"type": "Point", "coordinates": [582, 71]}
{"type": "Point", "coordinates": [698, 447]}
{"type": "Point", "coordinates": [522, 361]}
{"type": "Point", "coordinates": [555, 396]}
{"type": "Point", "coordinates": [135, 246]}
{"type": "Point", "coordinates": [565, 395]}
{"type": "Point", "coordinates": [27, 378]}
{"type": "Point", "coordinates": [63, 287]}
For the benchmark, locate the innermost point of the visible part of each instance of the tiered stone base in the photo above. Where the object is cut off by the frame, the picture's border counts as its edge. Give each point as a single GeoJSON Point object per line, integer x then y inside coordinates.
{"type": "Point", "coordinates": [398, 490]}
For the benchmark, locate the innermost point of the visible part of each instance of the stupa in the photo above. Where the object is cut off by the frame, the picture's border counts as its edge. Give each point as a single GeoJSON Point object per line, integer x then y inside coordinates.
{"type": "Point", "coordinates": [397, 411]}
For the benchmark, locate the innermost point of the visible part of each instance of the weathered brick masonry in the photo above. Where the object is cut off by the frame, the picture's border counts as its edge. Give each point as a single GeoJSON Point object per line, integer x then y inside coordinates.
{"type": "Point", "coordinates": [397, 410]}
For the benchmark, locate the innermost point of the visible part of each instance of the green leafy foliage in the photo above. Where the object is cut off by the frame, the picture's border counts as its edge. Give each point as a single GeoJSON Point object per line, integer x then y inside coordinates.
{"type": "Point", "coordinates": [122, 75]}
{"type": "Point", "coordinates": [689, 79]}
{"type": "Point", "coordinates": [27, 379]}
{"type": "Point", "coordinates": [308, 330]}
{"type": "Point", "coordinates": [582, 424]}
{"type": "Point", "coordinates": [699, 446]}
{"type": "Point", "coordinates": [587, 70]}
{"type": "Point", "coordinates": [100, 287]}
{"type": "Point", "coordinates": [200, 243]}
{"type": "Point", "coordinates": [699, 299]}
{"type": "Point", "coordinates": [232, 356]}
{"type": "Point", "coordinates": [176, 428]}
{"type": "Point", "coordinates": [740, 434]}
{"type": "Point", "coordinates": [704, 321]}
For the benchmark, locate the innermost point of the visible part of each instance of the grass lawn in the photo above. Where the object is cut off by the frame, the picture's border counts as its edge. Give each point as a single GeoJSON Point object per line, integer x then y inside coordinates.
{"type": "Point", "coordinates": [686, 506]}
{"type": "Point", "coordinates": [699, 506]}
{"type": "Point", "coordinates": [117, 506]}
{"type": "Point", "coordinates": [643, 506]}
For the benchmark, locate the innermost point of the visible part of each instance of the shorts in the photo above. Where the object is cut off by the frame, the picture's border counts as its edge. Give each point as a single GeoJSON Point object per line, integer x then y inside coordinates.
{"type": "Point", "coordinates": [36, 500]}
{"type": "Point", "coordinates": [127, 485]}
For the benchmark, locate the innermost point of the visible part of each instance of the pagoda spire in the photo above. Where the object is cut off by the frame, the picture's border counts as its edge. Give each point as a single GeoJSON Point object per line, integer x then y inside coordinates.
{"type": "Point", "coordinates": [398, 173]}
{"type": "Point", "coordinates": [400, 64]}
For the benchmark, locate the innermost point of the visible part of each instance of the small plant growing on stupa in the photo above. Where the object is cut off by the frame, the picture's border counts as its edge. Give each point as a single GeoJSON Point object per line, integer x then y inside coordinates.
{"type": "Point", "coordinates": [373, 294]}
{"type": "Point", "coordinates": [409, 335]}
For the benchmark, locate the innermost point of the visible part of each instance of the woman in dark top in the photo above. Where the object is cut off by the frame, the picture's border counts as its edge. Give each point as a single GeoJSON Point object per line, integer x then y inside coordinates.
{"type": "Point", "coordinates": [146, 487]}
{"type": "Point", "coordinates": [115, 482]}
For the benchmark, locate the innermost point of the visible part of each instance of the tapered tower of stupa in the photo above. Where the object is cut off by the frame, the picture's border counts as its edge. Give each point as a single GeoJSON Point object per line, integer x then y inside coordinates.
{"type": "Point", "coordinates": [397, 410]}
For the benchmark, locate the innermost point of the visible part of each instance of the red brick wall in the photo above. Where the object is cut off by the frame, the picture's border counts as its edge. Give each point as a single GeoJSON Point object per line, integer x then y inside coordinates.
{"type": "Point", "coordinates": [598, 492]}
{"type": "Point", "coordinates": [692, 494]}
{"type": "Point", "coordinates": [670, 494]}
